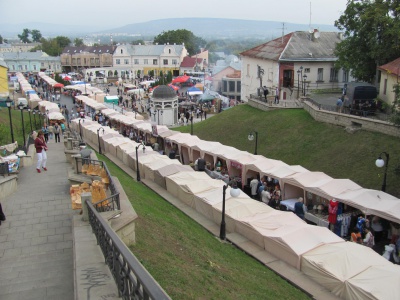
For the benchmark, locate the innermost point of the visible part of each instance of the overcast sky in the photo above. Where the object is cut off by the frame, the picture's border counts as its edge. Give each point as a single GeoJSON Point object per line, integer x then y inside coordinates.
{"type": "Point", "coordinates": [122, 12]}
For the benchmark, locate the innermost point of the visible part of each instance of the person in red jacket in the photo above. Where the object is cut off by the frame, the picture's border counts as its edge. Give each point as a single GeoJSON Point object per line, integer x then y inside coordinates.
{"type": "Point", "coordinates": [41, 148]}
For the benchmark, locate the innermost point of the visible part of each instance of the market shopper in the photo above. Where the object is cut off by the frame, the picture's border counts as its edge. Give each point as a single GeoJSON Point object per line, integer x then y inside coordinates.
{"type": "Point", "coordinates": [57, 130]}
{"type": "Point", "coordinates": [41, 148]}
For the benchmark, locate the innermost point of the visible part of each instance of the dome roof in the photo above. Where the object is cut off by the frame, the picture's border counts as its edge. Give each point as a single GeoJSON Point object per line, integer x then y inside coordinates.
{"type": "Point", "coordinates": [163, 92]}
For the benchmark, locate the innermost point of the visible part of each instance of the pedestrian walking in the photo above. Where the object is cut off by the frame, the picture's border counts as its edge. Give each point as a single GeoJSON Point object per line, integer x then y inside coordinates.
{"type": "Point", "coordinates": [41, 148]}
{"type": "Point", "coordinates": [57, 130]}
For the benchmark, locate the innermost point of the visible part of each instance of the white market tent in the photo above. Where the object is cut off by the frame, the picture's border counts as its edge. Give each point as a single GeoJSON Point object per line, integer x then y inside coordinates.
{"type": "Point", "coordinates": [152, 166]}
{"type": "Point", "coordinates": [333, 264]}
{"type": "Point", "coordinates": [364, 285]}
{"type": "Point", "coordinates": [253, 227]}
{"type": "Point", "coordinates": [238, 208]}
{"type": "Point", "coordinates": [164, 172]}
{"type": "Point", "coordinates": [184, 185]}
{"type": "Point", "coordinates": [289, 243]}
{"type": "Point", "coordinates": [373, 202]}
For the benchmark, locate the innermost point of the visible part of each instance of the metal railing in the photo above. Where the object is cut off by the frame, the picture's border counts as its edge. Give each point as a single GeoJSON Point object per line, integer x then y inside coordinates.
{"type": "Point", "coordinates": [132, 279]}
{"type": "Point", "coordinates": [110, 203]}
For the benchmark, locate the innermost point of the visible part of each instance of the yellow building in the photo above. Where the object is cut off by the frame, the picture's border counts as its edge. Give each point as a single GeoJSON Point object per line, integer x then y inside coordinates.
{"type": "Point", "coordinates": [389, 79]}
{"type": "Point", "coordinates": [3, 79]}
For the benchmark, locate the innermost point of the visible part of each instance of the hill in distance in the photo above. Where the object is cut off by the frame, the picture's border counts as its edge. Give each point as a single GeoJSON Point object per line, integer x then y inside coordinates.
{"type": "Point", "coordinates": [208, 28]}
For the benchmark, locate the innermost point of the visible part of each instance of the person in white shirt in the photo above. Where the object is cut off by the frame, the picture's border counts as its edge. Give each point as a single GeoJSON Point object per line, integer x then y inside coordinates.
{"type": "Point", "coordinates": [265, 195]}
{"type": "Point", "coordinates": [253, 186]}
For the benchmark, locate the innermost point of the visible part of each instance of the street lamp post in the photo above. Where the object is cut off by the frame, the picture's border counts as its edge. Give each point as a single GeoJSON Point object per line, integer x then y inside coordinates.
{"type": "Point", "coordinates": [98, 137]}
{"type": "Point", "coordinates": [298, 84]}
{"type": "Point", "coordinates": [301, 77]}
{"type": "Point", "coordinates": [137, 159]}
{"type": "Point", "coordinates": [21, 108]}
{"type": "Point", "coordinates": [9, 102]}
{"type": "Point", "coordinates": [34, 118]}
{"type": "Point", "coordinates": [251, 137]}
{"type": "Point", "coordinates": [304, 81]}
{"type": "Point", "coordinates": [234, 192]}
{"type": "Point", "coordinates": [191, 123]}
{"type": "Point", "coordinates": [30, 118]}
{"type": "Point", "coordinates": [380, 163]}
{"type": "Point", "coordinates": [80, 127]}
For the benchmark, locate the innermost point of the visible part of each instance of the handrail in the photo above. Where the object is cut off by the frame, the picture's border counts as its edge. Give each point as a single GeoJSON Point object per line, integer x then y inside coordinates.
{"type": "Point", "coordinates": [132, 279]}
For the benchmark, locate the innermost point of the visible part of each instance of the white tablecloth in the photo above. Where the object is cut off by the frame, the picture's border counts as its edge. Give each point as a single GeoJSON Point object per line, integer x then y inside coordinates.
{"type": "Point", "coordinates": [289, 203]}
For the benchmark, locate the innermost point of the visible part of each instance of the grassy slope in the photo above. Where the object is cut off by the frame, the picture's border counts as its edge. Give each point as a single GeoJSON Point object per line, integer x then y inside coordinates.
{"type": "Point", "coordinates": [187, 261]}
{"type": "Point", "coordinates": [295, 138]}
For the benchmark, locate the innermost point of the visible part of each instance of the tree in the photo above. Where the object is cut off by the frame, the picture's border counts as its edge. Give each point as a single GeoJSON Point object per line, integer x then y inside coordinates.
{"type": "Point", "coordinates": [36, 35]}
{"type": "Point", "coordinates": [78, 42]}
{"type": "Point", "coordinates": [179, 36]}
{"type": "Point", "coordinates": [371, 37]}
{"type": "Point", "coordinates": [395, 117]}
{"type": "Point", "coordinates": [24, 37]}
{"type": "Point", "coordinates": [1, 39]}
{"type": "Point", "coordinates": [62, 41]}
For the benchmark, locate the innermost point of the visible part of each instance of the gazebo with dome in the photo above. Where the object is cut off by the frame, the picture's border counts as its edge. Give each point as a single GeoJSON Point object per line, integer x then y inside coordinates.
{"type": "Point", "coordinates": [164, 106]}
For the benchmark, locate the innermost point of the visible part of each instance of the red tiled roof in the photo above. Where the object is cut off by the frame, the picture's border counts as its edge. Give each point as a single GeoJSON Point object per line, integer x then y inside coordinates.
{"type": "Point", "coordinates": [190, 62]}
{"type": "Point", "coordinates": [392, 67]}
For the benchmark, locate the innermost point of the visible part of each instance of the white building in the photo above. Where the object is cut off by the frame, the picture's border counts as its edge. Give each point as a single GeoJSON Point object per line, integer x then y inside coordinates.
{"type": "Point", "coordinates": [146, 58]}
{"type": "Point", "coordinates": [295, 63]}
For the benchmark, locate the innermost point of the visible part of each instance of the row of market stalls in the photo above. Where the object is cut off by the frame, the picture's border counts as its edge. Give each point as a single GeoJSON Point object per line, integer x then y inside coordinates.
{"type": "Point", "coordinates": [349, 270]}
{"type": "Point", "coordinates": [50, 109]}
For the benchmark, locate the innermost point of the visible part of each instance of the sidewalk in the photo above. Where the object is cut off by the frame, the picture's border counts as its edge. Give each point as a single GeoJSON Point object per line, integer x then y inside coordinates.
{"type": "Point", "coordinates": [36, 256]}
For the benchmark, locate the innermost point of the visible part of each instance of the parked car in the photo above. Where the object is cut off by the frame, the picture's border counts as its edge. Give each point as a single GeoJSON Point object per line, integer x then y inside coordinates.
{"type": "Point", "coordinates": [360, 98]}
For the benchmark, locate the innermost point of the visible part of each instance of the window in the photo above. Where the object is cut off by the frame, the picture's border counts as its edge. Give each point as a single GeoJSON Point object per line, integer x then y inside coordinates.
{"type": "Point", "coordinates": [320, 75]}
{"type": "Point", "coordinates": [385, 87]}
{"type": "Point", "coordinates": [84, 61]}
{"type": "Point", "coordinates": [169, 51]}
{"type": "Point", "coordinates": [174, 62]}
{"type": "Point", "coordinates": [26, 67]}
{"type": "Point", "coordinates": [78, 61]}
{"type": "Point", "coordinates": [165, 62]}
{"type": "Point", "coordinates": [136, 61]}
{"type": "Point", "coordinates": [146, 62]}
{"type": "Point", "coordinates": [126, 61]}
{"type": "Point", "coordinates": [20, 67]}
{"type": "Point", "coordinates": [334, 75]}
{"type": "Point", "coordinates": [306, 70]}
{"type": "Point", "coordinates": [97, 60]}
{"type": "Point", "coordinates": [91, 61]}
{"type": "Point", "coordinates": [231, 86]}
{"type": "Point", "coordinates": [117, 61]}
{"type": "Point", "coordinates": [73, 61]}
{"type": "Point", "coordinates": [13, 67]}
{"type": "Point", "coordinates": [239, 87]}
{"type": "Point", "coordinates": [345, 75]}
{"type": "Point", "coordinates": [67, 61]}
{"type": "Point", "coordinates": [34, 67]}
{"type": "Point", "coordinates": [42, 64]}
{"type": "Point", "coordinates": [122, 51]}
{"type": "Point", "coordinates": [155, 62]}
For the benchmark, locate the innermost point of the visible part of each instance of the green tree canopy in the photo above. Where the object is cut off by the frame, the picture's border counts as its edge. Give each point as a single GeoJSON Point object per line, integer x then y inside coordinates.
{"type": "Point", "coordinates": [371, 31]}
{"type": "Point", "coordinates": [24, 37]}
{"type": "Point", "coordinates": [1, 39]}
{"type": "Point", "coordinates": [36, 35]}
{"type": "Point", "coordinates": [53, 47]}
{"type": "Point", "coordinates": [78, 42]}
{"type": "Point", "coordinates": [179, 36]}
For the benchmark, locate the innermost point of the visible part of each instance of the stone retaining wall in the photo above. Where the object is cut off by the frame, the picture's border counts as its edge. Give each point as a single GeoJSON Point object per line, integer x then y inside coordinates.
{"type": "Point", "coordinates": [351, 120]}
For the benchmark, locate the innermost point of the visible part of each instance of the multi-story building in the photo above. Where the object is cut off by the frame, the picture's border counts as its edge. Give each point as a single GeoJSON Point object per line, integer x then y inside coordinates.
{"type": "Point", "coordinates": [389, 79]}
{"type": "Point", "coordinates": [293, 64]}
{"type": "Point", "coordinates": [17, 47]}
{"type": "Point", "coordinates": [142, 59]}
{"type": "Point", "coordinates": [31, 62]}
{"type": "Point", "coordinates": [86, 57]}
{"type": "Point", "coordinates": [3, 79]}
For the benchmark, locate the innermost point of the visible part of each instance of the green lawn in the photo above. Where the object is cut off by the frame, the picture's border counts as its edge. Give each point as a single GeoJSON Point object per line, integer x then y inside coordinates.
{"type": "Point", "coordinates": [291, 135]}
